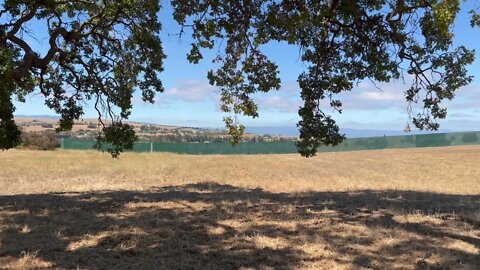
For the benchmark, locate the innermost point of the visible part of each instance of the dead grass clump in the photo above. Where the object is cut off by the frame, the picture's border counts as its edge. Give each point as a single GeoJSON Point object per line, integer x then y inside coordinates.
{"type": "Point", "coordinates": [25, 261]}
{"type": "Point", "coordinates": [40, 140]}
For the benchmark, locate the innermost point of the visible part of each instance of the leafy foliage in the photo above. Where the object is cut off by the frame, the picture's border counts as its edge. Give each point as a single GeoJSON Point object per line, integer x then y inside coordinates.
{"type": "Point", "coordinates": [106, 50]}
{"type": "Point", "coordinates": [118, 136]}
{"type": "Point", "coordinates": [342, 42]}
{"type": "Point", "coordinates": [98, 50]}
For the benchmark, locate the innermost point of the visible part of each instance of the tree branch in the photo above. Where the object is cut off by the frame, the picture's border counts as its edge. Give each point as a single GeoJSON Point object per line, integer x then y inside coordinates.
{"type": "Point", "coordinates": [18, 24]}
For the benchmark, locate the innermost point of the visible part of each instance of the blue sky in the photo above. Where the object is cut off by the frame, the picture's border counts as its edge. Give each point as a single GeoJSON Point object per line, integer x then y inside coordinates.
{"type": "Point", "coordinates": [190, 101]}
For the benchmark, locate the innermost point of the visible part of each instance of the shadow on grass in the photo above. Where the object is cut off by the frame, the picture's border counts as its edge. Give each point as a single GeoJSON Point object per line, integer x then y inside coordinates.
{"type": "Point", "coordinates": [213, 226]}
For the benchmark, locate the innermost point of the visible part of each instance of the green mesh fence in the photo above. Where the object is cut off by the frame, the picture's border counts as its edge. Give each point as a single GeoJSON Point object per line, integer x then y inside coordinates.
{"type": "Point", "coordinates": [410, 141]}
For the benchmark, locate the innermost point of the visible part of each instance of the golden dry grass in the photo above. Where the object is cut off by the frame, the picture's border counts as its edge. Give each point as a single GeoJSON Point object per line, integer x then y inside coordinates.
{"type": "Point", "coordinates": [389, 209]}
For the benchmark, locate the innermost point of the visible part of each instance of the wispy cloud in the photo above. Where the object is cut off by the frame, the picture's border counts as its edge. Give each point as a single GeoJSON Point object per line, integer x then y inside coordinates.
{"type": "Point", "coordinates": [290, 87]}
{"type": "Point", "coordinates": [191, 90]}
{"type": "Point", "coordinates": [461, 115]}
{"type": "Point", "coordinates": [466, 98]}
{"type": "Point", "coordinates": [370, 96]}
{"type": "Point", "coordinates": [278, 103]}
{"type": "Point", "coordinates": [381, 96]}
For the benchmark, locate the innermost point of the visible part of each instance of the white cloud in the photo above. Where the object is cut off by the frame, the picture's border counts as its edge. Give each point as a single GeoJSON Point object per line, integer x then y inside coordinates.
{"type": "Point", "coordinates": [290, 87]}
{"type": "Point", "coordinates": [278, 103]}
{"type": "Point", "coordinates": [381, 96]}
{"type": "Point", "coordinates": [376, 96]}
{"type": "Point", "coordinates": [466, 98]}
{"type": "Point", "coordinates": [191, 91]}
{"type": "Point", "coordinates": [365, 96]}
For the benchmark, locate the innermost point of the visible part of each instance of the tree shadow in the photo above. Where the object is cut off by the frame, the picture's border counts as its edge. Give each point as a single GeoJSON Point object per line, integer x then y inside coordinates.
{"type": "Point", "coordinates": [213, 226]}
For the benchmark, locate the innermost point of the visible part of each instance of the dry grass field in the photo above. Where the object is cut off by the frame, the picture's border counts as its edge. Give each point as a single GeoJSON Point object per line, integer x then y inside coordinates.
{"type": "Point", "coordinates": [389, 209]}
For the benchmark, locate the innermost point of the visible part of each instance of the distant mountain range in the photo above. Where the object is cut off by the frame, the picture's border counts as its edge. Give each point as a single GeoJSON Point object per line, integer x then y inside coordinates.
{"type": "Point", "coordinates": [38, 116]}
{"type": "Point", "coordinates": [350, 133]}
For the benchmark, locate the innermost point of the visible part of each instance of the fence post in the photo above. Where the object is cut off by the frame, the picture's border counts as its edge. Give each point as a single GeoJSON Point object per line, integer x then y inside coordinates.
{"type": "Point", "coordinates": [151, 146]}
{"type": "Point", "coordinates": [62, 143]}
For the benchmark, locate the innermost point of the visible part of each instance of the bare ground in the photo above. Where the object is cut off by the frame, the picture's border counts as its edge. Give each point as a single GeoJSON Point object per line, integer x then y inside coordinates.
{"type": "Point", "coordinates": [395, 209]}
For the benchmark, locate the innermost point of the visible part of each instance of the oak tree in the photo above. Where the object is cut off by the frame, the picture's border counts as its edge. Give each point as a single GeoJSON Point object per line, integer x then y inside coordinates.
{"type": "Point", "coordinates": [106, 50]}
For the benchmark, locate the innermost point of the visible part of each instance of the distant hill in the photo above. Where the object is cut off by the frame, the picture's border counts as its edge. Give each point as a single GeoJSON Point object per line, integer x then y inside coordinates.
{"type": "Point", "coordinates": [87, 129]}
{"type": "Point", "coordinates": [283, 131]}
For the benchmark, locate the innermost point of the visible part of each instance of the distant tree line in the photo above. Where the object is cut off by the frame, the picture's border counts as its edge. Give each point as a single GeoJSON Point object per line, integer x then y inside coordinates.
{"type": "Point", "coordinates": [208, 138]}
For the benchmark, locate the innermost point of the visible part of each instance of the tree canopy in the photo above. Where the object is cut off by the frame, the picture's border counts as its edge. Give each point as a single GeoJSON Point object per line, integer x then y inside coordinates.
{"type": "Point", "coordinates": [106, 50]}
